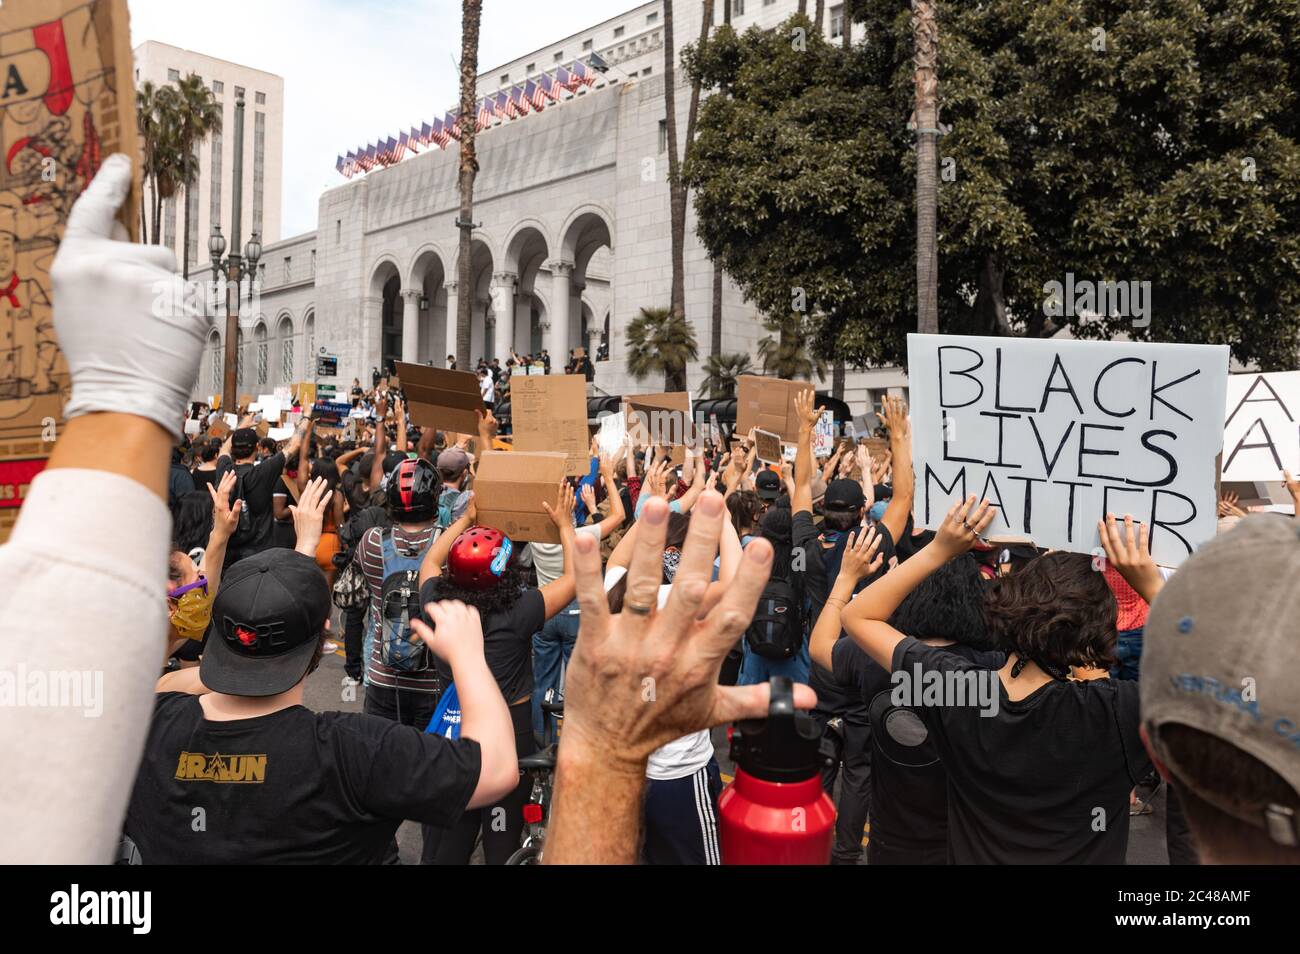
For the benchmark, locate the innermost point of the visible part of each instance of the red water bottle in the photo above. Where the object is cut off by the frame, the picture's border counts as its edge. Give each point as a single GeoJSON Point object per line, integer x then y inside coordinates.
{"type": "Point", "coordinates": [776, 811]}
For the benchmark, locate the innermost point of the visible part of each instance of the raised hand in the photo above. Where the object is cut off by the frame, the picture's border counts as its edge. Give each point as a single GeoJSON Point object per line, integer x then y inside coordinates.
{"type": "Point", "coordinates": [806, 410]}
{"type": "Point", "coordinates": [225, 518]}
{"type": "Point", "coordinates": [456, 634]}
{"type": "Point", "coordinates": [894, 411]}
{"type": "Point", "coordinates": [562, 513]}
{"type": "Point", "coordinates": [860, 558]}
{"type": "Point", "coordinates": [309, 514]}
{"type": "Point", "coordinates": [589, 497]}
{"type": "Point", "coordinates": [1129, 552]}
{"type": "Point", "coordinates": [963, 525]}
{"type": "Point", "coordinates": [1293, 488]}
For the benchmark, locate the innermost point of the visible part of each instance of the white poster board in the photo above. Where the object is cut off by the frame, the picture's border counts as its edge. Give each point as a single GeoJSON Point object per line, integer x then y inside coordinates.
{"type": "Point", "coordinates": [1261, 434]}
{"type": "Point", "coordinates": [824, 435]}
{"type": "Point", "coordinates": [612, 436]}
{"type": "Point", "coordinates": [1058, 433]}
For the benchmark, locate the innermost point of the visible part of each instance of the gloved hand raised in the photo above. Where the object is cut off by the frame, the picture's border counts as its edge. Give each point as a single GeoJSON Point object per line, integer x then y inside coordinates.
{"type": "Point", "coordinates": [131, 339]}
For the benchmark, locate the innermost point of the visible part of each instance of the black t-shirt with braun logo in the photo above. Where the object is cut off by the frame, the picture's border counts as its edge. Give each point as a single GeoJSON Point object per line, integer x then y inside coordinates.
{"type": "Point", "coordinates": [1044, 781]}
{"type": "Point", "coordinates": [292, 787]}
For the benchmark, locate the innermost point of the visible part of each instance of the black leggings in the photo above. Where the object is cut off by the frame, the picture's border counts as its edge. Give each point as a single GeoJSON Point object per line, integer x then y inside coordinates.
{"type": "Point", "coordinates": [502, 823]}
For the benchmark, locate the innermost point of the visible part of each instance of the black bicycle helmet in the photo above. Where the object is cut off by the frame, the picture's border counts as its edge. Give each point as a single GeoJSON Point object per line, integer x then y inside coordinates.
{"type": "Point", "coordinates": [413, 491]}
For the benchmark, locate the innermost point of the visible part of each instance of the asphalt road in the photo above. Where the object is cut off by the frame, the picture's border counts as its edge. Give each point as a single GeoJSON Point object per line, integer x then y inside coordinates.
{"type": "Point", "coordinates": [324, 692]}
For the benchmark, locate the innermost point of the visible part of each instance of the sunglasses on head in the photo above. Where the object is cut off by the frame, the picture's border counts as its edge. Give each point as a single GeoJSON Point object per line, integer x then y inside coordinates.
{"type": "Point", "coordinates": [182, 590]}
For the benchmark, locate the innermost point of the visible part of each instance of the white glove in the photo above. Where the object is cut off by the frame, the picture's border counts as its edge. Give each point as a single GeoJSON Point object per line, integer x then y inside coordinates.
{"type": "Point", "coordinates": [131, 339]}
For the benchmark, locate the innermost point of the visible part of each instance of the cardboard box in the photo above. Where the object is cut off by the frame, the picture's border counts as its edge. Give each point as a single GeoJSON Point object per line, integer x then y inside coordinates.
{"type": "Point", "coordinates": [767, 447]}
{"type": "Point", "coordinates": [69, 103]}
{"type": "Point", "coordinates": [510, 488]}
{"type": "Point", "coordinates": [441, 399]}
{"type": "Point", "coordinates": [768, 403]}
{"type": "Point", "coordinates": [549, 413]}
{"type": "Point", "coordinates": [665, 420]}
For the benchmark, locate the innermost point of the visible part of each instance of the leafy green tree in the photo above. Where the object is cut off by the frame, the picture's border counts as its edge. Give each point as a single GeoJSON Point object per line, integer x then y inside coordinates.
{"type": "Point", "coordinates": [786, 351]}
{"type": "Point", "coordinates": [720, 373]}
{"type": "Point", "coordinates": [660, 342]}
{"type": "Point", "coordinates": [1118, 140]}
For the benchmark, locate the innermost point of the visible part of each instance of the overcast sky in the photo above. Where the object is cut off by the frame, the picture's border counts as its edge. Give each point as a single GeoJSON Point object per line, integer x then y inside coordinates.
{"type": "Point", "coordinates": [355, 70]}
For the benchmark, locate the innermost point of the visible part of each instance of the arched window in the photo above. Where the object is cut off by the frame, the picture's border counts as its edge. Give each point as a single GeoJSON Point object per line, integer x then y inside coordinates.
{"type": "Point", "coordinates": [309, 370]}
{"type": "Point", "coordinates": [259, 334]}
{"type": "Point", "coordinates": [285, 335]}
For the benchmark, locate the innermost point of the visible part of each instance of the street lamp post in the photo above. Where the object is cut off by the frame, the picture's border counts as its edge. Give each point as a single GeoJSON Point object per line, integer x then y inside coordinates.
{"type": "Point", "coordinates": [230, 268]}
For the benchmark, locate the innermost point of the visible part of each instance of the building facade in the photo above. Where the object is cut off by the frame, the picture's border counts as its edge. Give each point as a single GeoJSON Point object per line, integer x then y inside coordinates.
{"type": "Point", "coordinates": [571, 237]}
{"type": "Point", "coordinates": [210, 199]}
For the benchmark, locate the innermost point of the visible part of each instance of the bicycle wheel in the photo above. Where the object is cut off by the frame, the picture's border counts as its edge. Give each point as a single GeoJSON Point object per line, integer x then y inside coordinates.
{"type": "Point", "coordinates": [527, 855]}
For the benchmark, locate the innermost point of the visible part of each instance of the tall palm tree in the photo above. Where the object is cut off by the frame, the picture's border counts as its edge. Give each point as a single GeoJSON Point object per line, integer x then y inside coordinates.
{"type": "Point", "coordinates": [720, 373]}
{"type": "Point", "coordinates": [146, 117]}
{"type": "Point", "coordinates": [162, 161]}
{"type": "Point", "coordinates": [926, 33]}
{"type": "Point", "coordinates": [785, 352]}
{"type": "Point", "coordinates": [471, 17]}
{"type": "Point", "coordinates": [660, 342]}
{"type": "Point", "coordinates": [198, 115]}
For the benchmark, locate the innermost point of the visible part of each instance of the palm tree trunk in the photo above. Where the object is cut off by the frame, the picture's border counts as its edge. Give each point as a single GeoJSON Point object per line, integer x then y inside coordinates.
{"type": "Point", "coordinates": [144, 219]}
{"type": "Point", "coordinates": [837, 379]}
{"type": "Point", "coordinates": [185, 237]}
{"type": "Point", "coordinates": [926, 33]}
{"type": "Point", "coordinates": [726, 11]}
{"type": "Point", "coordinates": [676, 196]}
{"type": "Point", "coordinates": [819, 14]}
{"type": "Point", "coordinates": [803, 8]}
{"type": "Point", "coordinates": [471, 16]}
{"type": "Point", "coordinates": [715, 337]}
{"type": "Point", "coordinates": [846, 25]}
{"type": "Point", "coordinates": [157, 213]}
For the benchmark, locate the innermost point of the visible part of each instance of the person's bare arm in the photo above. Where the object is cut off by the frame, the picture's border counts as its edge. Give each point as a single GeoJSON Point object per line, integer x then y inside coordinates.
{"type": "Point", "coordinates": [304, 454]}
{"type": "Point", "coordinates": [687, 500]}
{"type": "Point", "coordinates": [225, 521]}
{"type": "Point", "coordinates": [865, 618]}
{"type": "Point", "coordinates": [344, 461]}
{"type": "Point", "coordinates": [1129, 553]}
{"type": "Point", "coordinates": [809, 414]}
{"type": "Point", "coordinates": [309, 516]}
{"type": "Point", "coordinates": [399, 412]}
{"type": "Point", "coordinates": [609, 728]}
{"type": "Point", "coordinates": [622, 554]}
{"type": "Point", "coordinates": [617, 513]}
{"type": "Point", "coordinates": [296, 441]}
{"type": "Point", "coordinates": [559, 593]}
{"type": "Point", "coordinates": [860, 560]}
{"type": "Point", "coordinates": [900, 448]}
{"type": "Point", "coordinates": [182, 680]}
{"type": "Point", "coordinates": [487, 430]}
{"type": "Point", "coordinates": [1292, 485]}
{"type": "Point", "coordinates": [381, 445]}
{"type": "Point", "coordinates": [124, 444]}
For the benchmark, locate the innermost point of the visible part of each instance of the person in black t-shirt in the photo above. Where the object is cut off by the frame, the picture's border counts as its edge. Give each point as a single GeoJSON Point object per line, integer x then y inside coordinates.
{"type": "Point", "coordinates": [1040, 764]}
{"type": "Point", "coordinates": [279, 784]}
{"type": "Point", "coordinates": [844, 506]}
{"type": "Point", "coordinates": [258, 483]}
{"type": "Point", "coordinates": [475, 565]}
{"type": "Point", "coordinates": [909, 803]}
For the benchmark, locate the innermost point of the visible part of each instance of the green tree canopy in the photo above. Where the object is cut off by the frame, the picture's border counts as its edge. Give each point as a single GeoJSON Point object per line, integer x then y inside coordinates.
{"type": "Point", "coordinates": [1118, 140]}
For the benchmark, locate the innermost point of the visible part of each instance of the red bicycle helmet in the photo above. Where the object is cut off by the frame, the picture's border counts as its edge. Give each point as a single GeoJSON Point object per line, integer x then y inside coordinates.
{"type": "Point", "coordinates": [413, 491]}
{"type": "Point", "coordinates": [478, 557]}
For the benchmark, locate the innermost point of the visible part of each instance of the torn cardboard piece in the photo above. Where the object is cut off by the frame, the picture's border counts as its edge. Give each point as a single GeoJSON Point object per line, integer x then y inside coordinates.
{"type": "Point", "coordinates": [442, 399]}
{"type": "Point", "coordinates": [768, 403]}
{"type": "Point", "coordinates": [510, 488]}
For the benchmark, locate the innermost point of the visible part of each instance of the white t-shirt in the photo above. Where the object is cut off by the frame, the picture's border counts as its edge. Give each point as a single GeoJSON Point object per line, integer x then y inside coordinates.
{"type": "Point", "coordinates": [548, 558]}
{"type": "Point", "coordinates": [680, 757]}
{"type": "Point", "coordinates": [485, 388]}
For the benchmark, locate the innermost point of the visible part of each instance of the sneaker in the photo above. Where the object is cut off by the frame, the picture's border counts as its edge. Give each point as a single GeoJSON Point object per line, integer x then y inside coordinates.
{"type": "Point", "coordinates": [329, 647]}
{"type": "Point", "coordinates": [351, 681]}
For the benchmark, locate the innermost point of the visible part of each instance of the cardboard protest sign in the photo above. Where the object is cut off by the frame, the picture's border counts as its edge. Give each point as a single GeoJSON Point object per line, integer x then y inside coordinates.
{"type": "Point", "coordinates": [279, 433]}
{"type": "Point", "coordinates": [329, 413]}
{"type": "Point", "coordinates": [270, 406]}
{"type": "Point", "coordinates": [441, 399]}
{"type": "Point", "coordinates": [663, 419]}
{"type": "Point", "coordinates": [1057, 433]}
{"type": "Point", "coordinates": [768, 403]}
{"type": "Point", "coordinates": [218, 428]}
{"type": "Point", "coordinates": [550, 414]}
{"type": "Point", "coordinates": [767, 447]}
{"type": "Point", "coordinates": [68, 103]}
{"type": "Point", "coordinates": [1261, 435]}
{"type": "Point", "coordinates": [306, 392]}
{"type": "Point", "coordinates": [510, 488]}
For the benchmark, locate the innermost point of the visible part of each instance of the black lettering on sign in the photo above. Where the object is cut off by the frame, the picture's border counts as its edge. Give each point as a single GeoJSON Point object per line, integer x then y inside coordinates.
{"type": "Point", "coordinates": [1169, 525]}
{"type": "Point", "coordinates": [991, 492]}
{"type": "Point", "coordinates": [1096, 387]}
{"type": "Point", "coordinates": [1267, 443]}
{"type": "Point", "coordinates": [960, 478]}
{"type": "Point", "coordinates": [963, 373]}
{"type": "Point", "coordinates": [1105, 498]}
{"type": "Point", "coordinates": [1155, 392]}
{"type": "Point", "coordinates": [997, 389]}
{"type": "Point", "coordinates": [1048, 390]}
{"type": "Point", "coordinates": [1001, 417]}
{"type": "Point", "coordinates": [1043, 450]}
{"type": "Point", "coordinates": [1170, 460]}
{"type": "Point", "coordinates": [13, 83]}
{"type": "Point", "coordinates": [1272, 399]}
{"type": "Point", "coordinates": [1069, 516]}
{"type": "Point", "coordinates": [1029, 500]}
{"type": "Point", "coordinates": [1096, 452]}
{"type": "Point", "coordinates": [946, 455]}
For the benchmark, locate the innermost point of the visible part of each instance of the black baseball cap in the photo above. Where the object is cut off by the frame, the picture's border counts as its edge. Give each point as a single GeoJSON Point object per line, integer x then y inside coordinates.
{"type": "Point", "coordinates": [267, 619]}
{"type": "Point", "coordinates": [768, 485]}
{"type": "Point", "coordinates": [843, 494]}
{"type": "Point", "coordinates": [245, 437]}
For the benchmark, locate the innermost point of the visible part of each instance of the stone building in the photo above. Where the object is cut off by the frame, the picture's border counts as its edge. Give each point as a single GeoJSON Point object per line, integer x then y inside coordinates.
{"type": "Point", "coordinates": [571, 211]}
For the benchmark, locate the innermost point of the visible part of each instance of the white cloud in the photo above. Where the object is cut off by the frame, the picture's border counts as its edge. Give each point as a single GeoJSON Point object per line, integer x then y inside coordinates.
{"type": "Point", "coordinates": [355, 70]}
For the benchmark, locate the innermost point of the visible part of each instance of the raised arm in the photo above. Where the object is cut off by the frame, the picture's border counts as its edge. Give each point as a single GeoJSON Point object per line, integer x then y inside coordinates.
{"type": "Point", "coordinates": [225, 521]}
{"type": "Point", "coordinates": [399, 412]}
{"type": "Point", "coordinates": [559, 593]}
{"type": "Point", "coordinates": [809, 415]}
{"type": "Point", "coordinates": [380, 446]}
{"type": "Point", "coordinates": [860, 560]}
{"type": "Point", "coordinates": [900, 449]}
{"type": "Point", "coordinates": [304, 455]}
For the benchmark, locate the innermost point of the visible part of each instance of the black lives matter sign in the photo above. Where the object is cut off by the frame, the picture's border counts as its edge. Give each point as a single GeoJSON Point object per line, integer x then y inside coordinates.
{"type": "Point", "coordinates": [1058, 433]}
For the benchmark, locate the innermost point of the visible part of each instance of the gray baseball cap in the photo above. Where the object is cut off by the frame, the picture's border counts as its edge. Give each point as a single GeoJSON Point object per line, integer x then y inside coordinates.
{"type": "Point", "coordinates": [1221, 654]}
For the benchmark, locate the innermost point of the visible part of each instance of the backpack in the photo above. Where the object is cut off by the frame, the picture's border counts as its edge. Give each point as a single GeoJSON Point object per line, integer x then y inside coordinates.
{"type": "Point", "coordinates": [399, 604]}
{"type": "Point", "coordinates": [776, 631]}
{"type": "Point", "coordinates": [245, 527]}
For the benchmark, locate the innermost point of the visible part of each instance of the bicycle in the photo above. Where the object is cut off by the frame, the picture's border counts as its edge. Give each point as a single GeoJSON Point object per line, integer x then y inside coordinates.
{"type": "Point", "coordinates": [541, 767]}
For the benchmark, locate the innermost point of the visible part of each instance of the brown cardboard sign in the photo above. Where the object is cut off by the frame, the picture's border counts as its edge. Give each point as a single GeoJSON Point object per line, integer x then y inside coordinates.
{"type": "Point", "coordinates": [218, 428]}
{"type": "Point", "coordinates": [549, 413]}
{"type": "Point", "coordinates": [663, 420]}
{"type": "Point", "coordinates": [768, 403]}
{"type": "Point", "coordinates": [441, 399]}
{"type": "Point", "coordinates": [767, 447]}
{"type": "Point", "coordinates": [68, 104]}
{"type": "Point", "coordinates": [510, 488]}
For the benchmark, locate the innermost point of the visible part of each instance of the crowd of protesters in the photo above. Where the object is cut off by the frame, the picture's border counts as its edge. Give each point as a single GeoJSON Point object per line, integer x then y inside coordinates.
{"type": "Point", "coordinates": [1106, 677]}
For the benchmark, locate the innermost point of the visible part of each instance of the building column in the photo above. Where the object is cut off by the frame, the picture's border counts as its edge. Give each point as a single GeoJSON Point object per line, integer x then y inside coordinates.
{"type": "Point", "coordinates": [503, 315]}
{"type": "Point", "coordinates": [524, 324]}
{"type": "Point", "coordinates": [453, 304]}
{"type": "Point", "coordinates": [411, 325]}
{"type": "Point", "coordinates": [558, 341]}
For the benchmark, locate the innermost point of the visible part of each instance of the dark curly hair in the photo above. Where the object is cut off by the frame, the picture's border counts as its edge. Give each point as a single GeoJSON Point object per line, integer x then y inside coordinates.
{"type": "Point", "coordinates": [500, 598]}
{"type": "Point", "coordinates": [1057, 611]}
{"type": "Point", "coordinates": [948, 604]}
{"type": "Point", "coordinates": [191, 520]}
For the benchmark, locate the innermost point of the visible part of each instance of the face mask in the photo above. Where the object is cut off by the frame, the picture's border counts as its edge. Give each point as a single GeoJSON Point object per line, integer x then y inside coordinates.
{"type": "Point", "coordinates": [191, 614]}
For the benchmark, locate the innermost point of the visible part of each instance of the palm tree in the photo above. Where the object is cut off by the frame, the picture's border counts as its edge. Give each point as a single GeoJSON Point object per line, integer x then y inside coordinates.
{"type": "Point", "coordinates": [471, 17]}
{"type": "Point", "coordinates": [720, 373]}
{"type": "Point", "coordinates": [785, 353]}
{"type": "Point", "coordinates": [660, 342]}
{"type": "Point", "coordinates": [146, 117]}
{"type": "Point", "coordinates": [198, 115]}
{"type": "Point", "coordinates": [926, 34]}
{"type": "Point", "coordinates": [157, 115]}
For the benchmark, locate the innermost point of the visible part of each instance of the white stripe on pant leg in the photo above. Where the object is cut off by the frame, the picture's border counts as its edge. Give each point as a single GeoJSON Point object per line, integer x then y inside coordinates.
{"type": "Point", "coordinates": [708, 825]}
